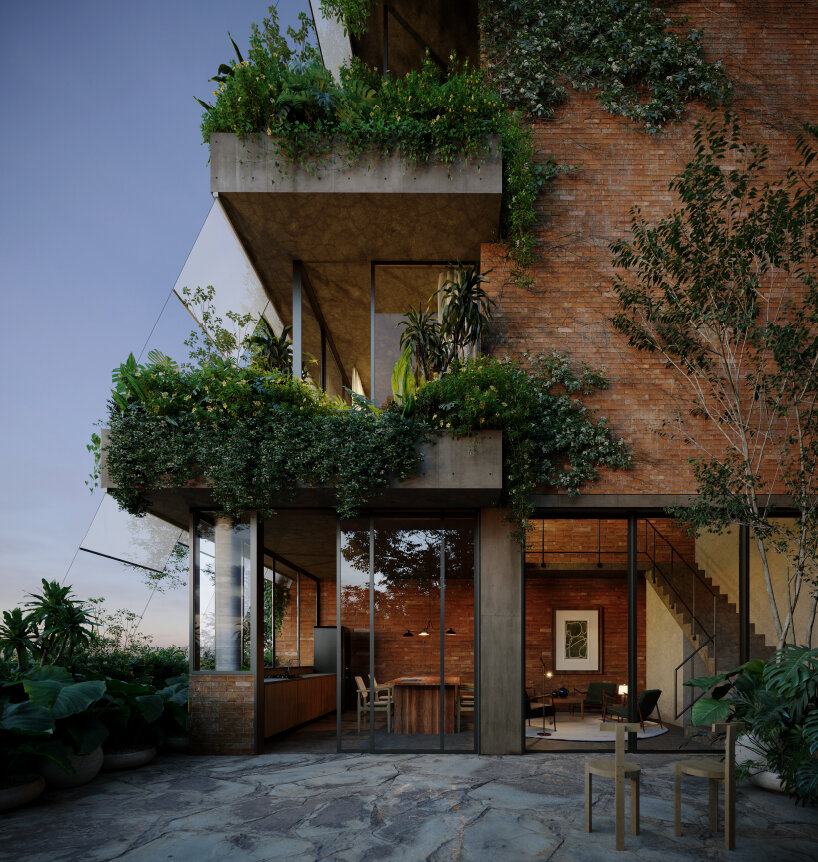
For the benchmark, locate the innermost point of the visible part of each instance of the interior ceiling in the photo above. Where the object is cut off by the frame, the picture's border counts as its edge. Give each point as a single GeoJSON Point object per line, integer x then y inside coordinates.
{"type": "Point", "coordinates": [442, 25]}
{"type": "Point", "coordinates": [343, 293]}
{"type": "Point", "coordinates": [306, 538]}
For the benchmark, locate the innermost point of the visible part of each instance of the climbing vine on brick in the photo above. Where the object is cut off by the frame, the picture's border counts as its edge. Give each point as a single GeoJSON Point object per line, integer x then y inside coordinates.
{"type": "Point", "coordinates": [637, 59]}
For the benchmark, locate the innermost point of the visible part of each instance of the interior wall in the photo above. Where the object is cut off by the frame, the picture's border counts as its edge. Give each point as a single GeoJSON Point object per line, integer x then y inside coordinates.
{"type": "Point", "coordinates": [664, 652]}
{"type": "Point", "coordinates": [560, 541]}
{"type": "Point", "coordinates": [718, 556]}
{"type": "Point", "coordinates": [396, 655]}
{"type": "Point", "coordinates": [544, 594]}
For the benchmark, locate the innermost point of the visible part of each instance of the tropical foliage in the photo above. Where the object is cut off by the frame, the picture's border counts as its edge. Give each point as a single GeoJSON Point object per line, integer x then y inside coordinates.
{"type": "Point", "coordinates": [778, 703]}
{"type": "Point", "coordinates": [725, 290]}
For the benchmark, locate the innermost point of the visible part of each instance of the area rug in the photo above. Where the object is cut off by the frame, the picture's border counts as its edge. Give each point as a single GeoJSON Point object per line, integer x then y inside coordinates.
{"type": "Point", "coordinates": [587, 730]}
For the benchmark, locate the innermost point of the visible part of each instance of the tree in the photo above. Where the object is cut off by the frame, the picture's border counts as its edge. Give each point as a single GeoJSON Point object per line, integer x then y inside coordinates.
{"type": "Point", "coordinates": [17, 633]}
{"type": "Point", "coordinates": [724, 289]}
{"type": "Point", "coordinates": [62, 622]}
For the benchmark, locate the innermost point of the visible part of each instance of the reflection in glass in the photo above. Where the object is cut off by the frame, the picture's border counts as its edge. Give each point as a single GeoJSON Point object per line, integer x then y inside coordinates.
{"type": "Point", "coordinates": [353, 618]}
{"type": "Point", "coordinates": [222, 575]}
{"type": "Point", "coordinates": [411, 690]}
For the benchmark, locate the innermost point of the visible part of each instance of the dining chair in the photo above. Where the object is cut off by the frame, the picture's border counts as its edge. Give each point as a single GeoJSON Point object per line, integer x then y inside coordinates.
{"type": "Point", "coordinates": [618, 769]}
{"type": "Point", "coordinates": [379, 704]}
{"type": "Point", "coordinates": [465, 702]}
{"type": "Point", "coordinates": [715, 771]}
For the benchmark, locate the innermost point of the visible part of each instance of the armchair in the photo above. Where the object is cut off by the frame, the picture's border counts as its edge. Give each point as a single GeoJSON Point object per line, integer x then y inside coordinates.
{"type": "Point", "coordinates": [595, 694]}
{"type": "Point", "coordinates": [647, 703]}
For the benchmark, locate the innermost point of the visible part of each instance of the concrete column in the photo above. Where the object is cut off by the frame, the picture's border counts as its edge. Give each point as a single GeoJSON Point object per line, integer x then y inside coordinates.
{"type": "Point", "coordinates": [501, 637]}
{"type": "Point", "coordinates": [228, 596]}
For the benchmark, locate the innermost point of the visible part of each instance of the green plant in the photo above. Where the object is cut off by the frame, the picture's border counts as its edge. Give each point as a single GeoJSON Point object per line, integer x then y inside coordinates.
{"type": "Point", "coordinates": [724, 289]}
{"type": "Point", "coordinates": [130, 712]}
{"type": "Point", "coordinates": [17, 635]}
{"type": "Point", "coordinates": [71, 704]}
{"type": "Point", "coordinates": [353, 14]}
{"type": "Point", "coordinates": [23, 726]}
{"type": "Point", "coordinates": [283, 91]}
{"type": "Point", "coordinates": [253, 436]}
{"type": "Point", "coordinates": [60, 623]}
{"type": "Point", "coordinates": [432, 342]}
{"type": "Point", "coordinates": [271, 352]}
{"type": "Point", "coordinates": [549, 436]}
{"type": "Point", "coordinates": [175, 696]}
{"type": "Point", "coordinates": [777, 701]}
{"type": "Point", "coordinates": [630, 52]}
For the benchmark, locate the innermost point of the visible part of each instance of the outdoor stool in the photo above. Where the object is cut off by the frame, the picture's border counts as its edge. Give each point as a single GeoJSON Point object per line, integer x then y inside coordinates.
{"type": "Point", "coordinates": [715, 771]}
{"type": "Point", "coordinates": [618, 769]}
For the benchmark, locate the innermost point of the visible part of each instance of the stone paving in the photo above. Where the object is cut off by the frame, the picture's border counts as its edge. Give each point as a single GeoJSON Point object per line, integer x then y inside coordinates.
{"type": "Point", "coordinates": [385, 807]}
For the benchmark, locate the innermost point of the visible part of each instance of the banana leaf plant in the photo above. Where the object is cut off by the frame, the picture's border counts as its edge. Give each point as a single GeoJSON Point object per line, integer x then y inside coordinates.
{"type": "Point", "coordinates": [777, 701]}
{"type": "Point", "coordinates": [24, 728]}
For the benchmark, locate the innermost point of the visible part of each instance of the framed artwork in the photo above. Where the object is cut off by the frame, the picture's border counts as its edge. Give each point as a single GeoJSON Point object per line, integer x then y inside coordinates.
{"type": "Point", "coordinates": [578, 639]}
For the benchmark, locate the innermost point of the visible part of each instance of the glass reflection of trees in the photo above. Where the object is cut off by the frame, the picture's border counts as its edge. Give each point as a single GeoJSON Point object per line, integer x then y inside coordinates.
{"type": "Point", "coordinates": [406, 560]}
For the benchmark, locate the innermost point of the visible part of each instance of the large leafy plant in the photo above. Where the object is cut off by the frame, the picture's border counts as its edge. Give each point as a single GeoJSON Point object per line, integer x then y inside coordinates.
{"type": "Point", "coordinates": [778, 702]}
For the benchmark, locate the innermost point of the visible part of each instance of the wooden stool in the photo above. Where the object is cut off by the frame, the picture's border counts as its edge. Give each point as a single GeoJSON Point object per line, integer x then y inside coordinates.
{"type": "Point", "coordinates": [618, 769]}
{"type": "Point", "coordinates": [714, 771]}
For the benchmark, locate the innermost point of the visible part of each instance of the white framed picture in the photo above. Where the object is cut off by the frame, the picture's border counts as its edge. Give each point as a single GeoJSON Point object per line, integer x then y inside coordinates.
{"type": "Point", "coordinates": [578, 639]}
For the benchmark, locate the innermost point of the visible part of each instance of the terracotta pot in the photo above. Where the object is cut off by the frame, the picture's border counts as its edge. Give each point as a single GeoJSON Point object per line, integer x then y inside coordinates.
{"type": "Point", "coordinates": [86, 767]}
{"type": "Point", "coordinates": [26, 788]}
{"type": "Point", "coordinates": [127, 759]}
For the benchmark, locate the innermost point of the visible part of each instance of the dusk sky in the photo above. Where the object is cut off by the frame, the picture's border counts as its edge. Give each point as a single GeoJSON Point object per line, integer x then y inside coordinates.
{"type": "Point", "coordinates": [105, 186]}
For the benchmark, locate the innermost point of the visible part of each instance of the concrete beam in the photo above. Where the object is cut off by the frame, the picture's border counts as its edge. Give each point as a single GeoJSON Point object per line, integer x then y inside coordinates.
{"type": "Point", "coordinates": [501, 637]}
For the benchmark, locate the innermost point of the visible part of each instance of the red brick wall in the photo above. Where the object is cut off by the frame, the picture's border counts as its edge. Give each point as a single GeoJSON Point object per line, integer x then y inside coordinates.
{"type": "Point", "coordinates": [770, 52]}
{"type": "Point", "coordinates": [559, 540]}
{"type": "Point", "coordinates": [222, 713]}
{"type": "Point", "coordinates": [411, 608]}
{"type": "Point", "coordinates": [543, 595]}
{"type": "Point", "coordinates": [286, 641]}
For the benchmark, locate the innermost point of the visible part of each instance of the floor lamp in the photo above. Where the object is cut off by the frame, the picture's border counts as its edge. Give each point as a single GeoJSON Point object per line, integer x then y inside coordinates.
{"type": "Point", "coordinates": [546, 674]}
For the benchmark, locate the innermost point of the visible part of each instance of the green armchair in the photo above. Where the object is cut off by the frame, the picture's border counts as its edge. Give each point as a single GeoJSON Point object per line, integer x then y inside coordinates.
{"type": "Point", "coordinates": [648, 702]}
{"type": "Point", "coordinates": [595, 694]}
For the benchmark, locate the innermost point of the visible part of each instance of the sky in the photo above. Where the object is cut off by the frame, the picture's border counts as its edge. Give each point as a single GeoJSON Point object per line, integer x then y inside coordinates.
{"type": "Point", "coordinates": [104, 188]}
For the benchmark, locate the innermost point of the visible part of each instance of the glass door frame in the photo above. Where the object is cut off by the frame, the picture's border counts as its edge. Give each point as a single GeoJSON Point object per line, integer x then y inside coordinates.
{"type": "Point", "coordinates": [442, 517]}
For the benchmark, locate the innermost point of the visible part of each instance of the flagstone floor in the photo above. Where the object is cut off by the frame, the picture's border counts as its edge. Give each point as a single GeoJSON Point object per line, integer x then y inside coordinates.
{"type": "Point", "coordinates": [385, 807]}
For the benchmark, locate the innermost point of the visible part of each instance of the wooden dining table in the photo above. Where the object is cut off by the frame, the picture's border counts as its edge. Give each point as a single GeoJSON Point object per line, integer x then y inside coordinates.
{"type": "Point", "coordinates": [417, 703]}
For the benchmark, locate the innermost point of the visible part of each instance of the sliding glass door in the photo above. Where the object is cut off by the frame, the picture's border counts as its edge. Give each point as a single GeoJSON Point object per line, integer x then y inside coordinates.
{"type": "Point", "coordinates": [406, 607]}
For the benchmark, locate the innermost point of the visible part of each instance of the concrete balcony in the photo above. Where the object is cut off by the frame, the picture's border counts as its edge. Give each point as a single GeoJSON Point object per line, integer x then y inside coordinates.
{"type": "Point", "coordinates": [465, 472]}
{"type": "Point", "coordinates": [338, 218]}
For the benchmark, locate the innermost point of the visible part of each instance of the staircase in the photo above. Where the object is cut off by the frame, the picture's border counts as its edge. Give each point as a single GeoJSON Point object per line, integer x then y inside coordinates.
{"type": "Point", "coordinates": [709, 621]}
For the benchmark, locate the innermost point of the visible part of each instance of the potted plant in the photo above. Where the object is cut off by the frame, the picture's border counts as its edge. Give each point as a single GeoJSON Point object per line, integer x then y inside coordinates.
{"type": "Point", "coordinates": [777, 701]}
{"type": "Point", "coordinates": [21, 725]}
{"type": "Point", "coordinates": [73, 754]}
{"type": "Point", "coordinates": [130, 711]}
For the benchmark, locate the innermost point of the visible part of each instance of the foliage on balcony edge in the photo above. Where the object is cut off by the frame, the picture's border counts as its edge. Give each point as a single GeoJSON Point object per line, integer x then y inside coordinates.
{"type": "Point", "coordinates": [284, 92]}
{"type": "Point", "coordinates": [640, 62]}
{"type": "Point", "coordinates": [254, 436]}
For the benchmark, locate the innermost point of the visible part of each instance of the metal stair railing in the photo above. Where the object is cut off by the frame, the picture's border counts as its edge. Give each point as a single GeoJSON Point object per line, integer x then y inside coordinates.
{"type": "Point", "coordinates": [702, 635]}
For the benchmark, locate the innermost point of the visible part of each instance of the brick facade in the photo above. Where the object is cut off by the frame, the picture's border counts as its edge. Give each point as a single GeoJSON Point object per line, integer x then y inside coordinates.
{"type": "Point", "coordinates": [222, 713]}
{"type": "Point", "coordinates": [769, 52]}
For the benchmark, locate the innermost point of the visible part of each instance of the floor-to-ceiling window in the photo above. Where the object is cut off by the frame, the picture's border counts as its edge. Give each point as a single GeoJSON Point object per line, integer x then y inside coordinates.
{"type": "Point", "coordinates": [407, 632]}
